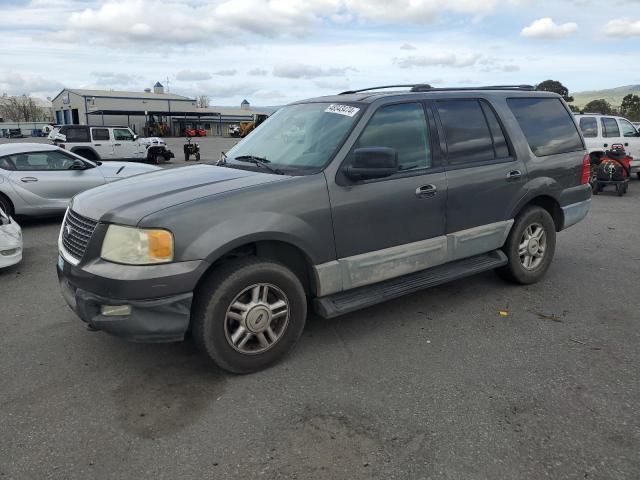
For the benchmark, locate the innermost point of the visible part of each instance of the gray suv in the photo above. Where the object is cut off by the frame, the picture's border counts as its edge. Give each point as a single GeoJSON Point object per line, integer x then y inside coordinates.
{"type": "Point", "coordinates": [332, 205]}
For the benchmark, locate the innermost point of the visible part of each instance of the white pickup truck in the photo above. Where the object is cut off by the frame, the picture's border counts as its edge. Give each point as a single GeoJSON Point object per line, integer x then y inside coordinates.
{"type": "Point", "coordinates": [602, 131]}
{"type": "Point", "coordinates": [111, 143]}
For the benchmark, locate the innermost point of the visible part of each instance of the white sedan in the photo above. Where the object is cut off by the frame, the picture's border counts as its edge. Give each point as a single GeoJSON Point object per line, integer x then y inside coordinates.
{"type": "Point", "coordinates": [41, 179]}
{"type": "Point", "coordinates": [10, 241]}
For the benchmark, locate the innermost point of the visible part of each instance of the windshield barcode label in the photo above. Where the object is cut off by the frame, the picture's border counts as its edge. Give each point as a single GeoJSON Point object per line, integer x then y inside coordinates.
{"type": "Point", "coordinates": [346, 110]}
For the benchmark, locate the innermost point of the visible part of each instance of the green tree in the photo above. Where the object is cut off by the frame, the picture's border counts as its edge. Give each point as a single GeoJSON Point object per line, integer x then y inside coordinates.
{"type": "Point", "coordinates": [630, 107]}
{"type": "Point", "coordinates": [599, 106]}
{"type": "Point", "coordinates": [555, 87]}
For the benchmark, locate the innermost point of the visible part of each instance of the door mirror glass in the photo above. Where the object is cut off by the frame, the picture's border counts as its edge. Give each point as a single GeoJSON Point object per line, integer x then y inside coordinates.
{"type": "Point", "coordinates": [78, 165]}
{"type": "Point", "coordinates": [373, 162]}
{"type": "Point", "coordinates": [135, 137]}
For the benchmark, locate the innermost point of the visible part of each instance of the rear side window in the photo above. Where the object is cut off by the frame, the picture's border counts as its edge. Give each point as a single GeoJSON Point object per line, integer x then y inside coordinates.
{"type": "Point", "coordinates": [589, 127]}
{"type": "Point", "coordinates": [547, 125]}
{"type": "Point", "coordinates": [100, 134]}
{"type": "Point", "coordinates": [610, 128]}
{"type": "Point", "coordinates": [472, 132]}
{"type": "Point", "coordinates": [76, 134]}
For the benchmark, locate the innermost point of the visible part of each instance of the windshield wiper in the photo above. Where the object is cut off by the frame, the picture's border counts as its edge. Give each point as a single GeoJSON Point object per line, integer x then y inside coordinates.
{"type": "Point", "coordinates": [260, 161]}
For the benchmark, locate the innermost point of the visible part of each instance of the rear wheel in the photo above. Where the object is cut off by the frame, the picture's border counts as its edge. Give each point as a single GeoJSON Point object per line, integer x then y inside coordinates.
{"type": "Point", "coordinates": [198, 157]}
{"type": "Point", "coordinates": [529, 247]}
{"type": "Point", "coordinates": [248, 314]}
{"type": "Point", "coordinates": [6, 205]}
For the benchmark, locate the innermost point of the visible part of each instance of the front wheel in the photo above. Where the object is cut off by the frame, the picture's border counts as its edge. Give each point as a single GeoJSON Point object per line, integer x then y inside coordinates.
{"type": "Point", "coordinates": [248, 314]}
{"type": "Point", "coordinates": [530, 247]}
{"type": "Point", "coordinates": [198, 157]}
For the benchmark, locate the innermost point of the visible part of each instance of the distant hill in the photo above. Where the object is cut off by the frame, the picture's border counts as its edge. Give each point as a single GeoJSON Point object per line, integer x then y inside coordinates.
{"type": "Point", "coordinates": [612, 95]}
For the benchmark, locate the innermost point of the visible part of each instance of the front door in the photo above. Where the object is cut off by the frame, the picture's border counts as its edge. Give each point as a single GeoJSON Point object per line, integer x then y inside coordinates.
{"type": "Point", "coordinates": [393, 226]}
{"type": "Point", "coordinates": [124, 144]}
{"type": "Point", "coordinates": [45, 180]}
{"type": "Point", "coordinates": [485, 180]}
{"type": "Point", "coordinates": [631, 141]}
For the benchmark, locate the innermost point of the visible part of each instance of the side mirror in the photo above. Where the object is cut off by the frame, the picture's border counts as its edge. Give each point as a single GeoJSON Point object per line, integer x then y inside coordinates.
{"type": "Point", "coordinates": [135, 137]}
{"type": "Point", "coordinates": [373, 162]}
{"type": "Point", "coordinates": [78, 165]}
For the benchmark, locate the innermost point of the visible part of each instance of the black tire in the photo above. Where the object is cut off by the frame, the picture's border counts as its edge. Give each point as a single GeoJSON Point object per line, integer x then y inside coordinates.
{"type": "Point", "coordinates": [638, 175]}
{"type": "Point", "coordinates": [186, 157]}
{"type": "Point", "coordinates": [515, 271]}
{"type": "Point", "coordinates": [153, 158]}
{"type": "Point", "coordinates": [620, 189]}
{"type": "Point", "coordinates": [198, 157]}
{"type": "Point", "coordinates": [215, 295]}
{"type": "Point", "coordinates": [6, 205]}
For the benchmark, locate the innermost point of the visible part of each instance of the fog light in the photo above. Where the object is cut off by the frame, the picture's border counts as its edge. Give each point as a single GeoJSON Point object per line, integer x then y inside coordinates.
{"type": "Point", "coordinates": [116, 310]}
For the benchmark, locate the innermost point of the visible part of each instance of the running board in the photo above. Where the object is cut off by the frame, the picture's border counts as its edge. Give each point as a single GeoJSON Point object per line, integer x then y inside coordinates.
{"type": "Point", "coordinates": [362, 297]}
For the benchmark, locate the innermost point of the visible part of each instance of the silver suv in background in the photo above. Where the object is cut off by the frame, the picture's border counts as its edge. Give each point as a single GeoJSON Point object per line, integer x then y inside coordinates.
{"type": "Point", "coordinates": [111, 143]}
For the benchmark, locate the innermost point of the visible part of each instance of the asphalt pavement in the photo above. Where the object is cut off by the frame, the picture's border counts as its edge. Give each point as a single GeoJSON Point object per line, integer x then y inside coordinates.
{"type": "Point", "coordinates": [438, 384]}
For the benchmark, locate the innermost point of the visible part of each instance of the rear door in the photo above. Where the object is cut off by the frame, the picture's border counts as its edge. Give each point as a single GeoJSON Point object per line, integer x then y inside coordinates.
{"type": "Point", "coordinates": [485, 179]}
{"type": "Point", "coordinates": [44, 179]}
{"type": "Point", "coordinates": [102, 142]}
{"type": "Point", "coordinates": [611, 133]}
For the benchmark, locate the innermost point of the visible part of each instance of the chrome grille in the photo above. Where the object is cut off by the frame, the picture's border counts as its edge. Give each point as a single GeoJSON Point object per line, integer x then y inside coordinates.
{"type": "Point", "coordinates": [76, 233]}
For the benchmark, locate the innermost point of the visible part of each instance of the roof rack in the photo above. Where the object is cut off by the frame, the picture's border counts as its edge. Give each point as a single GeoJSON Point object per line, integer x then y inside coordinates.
{"type": "Point", "coordinates": [422, 87]}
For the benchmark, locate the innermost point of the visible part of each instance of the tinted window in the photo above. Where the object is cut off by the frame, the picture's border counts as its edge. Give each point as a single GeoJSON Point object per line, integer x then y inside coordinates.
{"type": "Point", "coordinates": [610, 128]}
{"type": "Point", "coordinates": [547, 125]}
{"type": "Point", "coordinates": [402, 127]}
{"type": "Point", "coordinates": [499, 141]}
{"type": "Point", "coordinates": [589, 127]}
{"type": "Point", "coordinates": [6, 163]}
{"type": "Point", "coordinates": [628, 130]}
{"type": "Point", "coordinates": [100, 133]}
{"type": "Point", "coordinates": [466, 131]}
{"type": "Point", "coordinates": [39, 161]}
{"type": "Point", "coordinates": [122, 134]}
{"type": "Point", "coordinates": [76, 134]}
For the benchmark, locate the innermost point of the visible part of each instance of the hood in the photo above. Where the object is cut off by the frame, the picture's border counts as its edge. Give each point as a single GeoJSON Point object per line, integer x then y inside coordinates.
{"type": "Point", "coordinates": [128, 201]}
{"type": "Point", "coordinates": [117, 170]}
{"type": "Point", "coordinates": [152, 141]}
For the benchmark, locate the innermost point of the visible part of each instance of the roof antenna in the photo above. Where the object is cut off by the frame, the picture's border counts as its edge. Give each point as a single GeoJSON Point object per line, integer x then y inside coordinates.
{"type": "Point", "coordinates": [167, 82]}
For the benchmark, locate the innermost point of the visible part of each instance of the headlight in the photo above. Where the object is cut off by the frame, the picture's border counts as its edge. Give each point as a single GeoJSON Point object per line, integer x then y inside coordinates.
{"type": "Point", "coordinates": [137, 246]}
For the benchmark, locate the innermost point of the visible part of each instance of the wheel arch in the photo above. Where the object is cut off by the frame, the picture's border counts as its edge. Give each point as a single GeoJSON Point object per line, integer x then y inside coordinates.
{"type": "Point", "coordinates": [79, 150]}
{"type": "Point", "coordinates": [282, 251]}
{"type": "Point", "coordinates": [549, 203]}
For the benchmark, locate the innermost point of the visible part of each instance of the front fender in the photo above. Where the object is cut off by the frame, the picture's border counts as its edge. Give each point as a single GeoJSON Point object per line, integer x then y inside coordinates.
{"type": "Point", "coordinates": [223, 237]}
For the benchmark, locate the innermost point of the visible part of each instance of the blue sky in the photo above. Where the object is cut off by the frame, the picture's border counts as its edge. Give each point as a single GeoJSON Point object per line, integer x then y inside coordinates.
{"type": "Point", "coordinates": [276, 51]}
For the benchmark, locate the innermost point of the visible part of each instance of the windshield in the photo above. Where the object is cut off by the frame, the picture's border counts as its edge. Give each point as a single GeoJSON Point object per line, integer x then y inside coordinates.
{"type": "Point", "coordinates": [298, 137]}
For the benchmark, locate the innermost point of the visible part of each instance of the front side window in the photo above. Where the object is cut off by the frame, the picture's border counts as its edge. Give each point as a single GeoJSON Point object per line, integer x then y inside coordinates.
{"type": "Point", "coordinates": [297, 138]}
{"type": "Point", "coordinates": [41, 161]}
{"type": "Point", "coordinates": [589, 127]}
{"type": "Point", "coordinates": [122, 135]}
{"type": "Point", "coordinates": [466, 131]}
{"type": "Point", "coordinates": [628, 130]}
{"type": "Point", "coordinates": [547, 124]}
{"type": "Point", "coordinates": [403, 128]}
{"type": "Point", "coordinates": [610, 128]}
{"type": "Point", "coordinates": [100, 134]}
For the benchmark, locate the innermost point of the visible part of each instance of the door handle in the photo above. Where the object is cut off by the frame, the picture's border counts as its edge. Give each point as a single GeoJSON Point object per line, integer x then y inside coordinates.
{"type": "Point", "coordinates": [117, 144]}
{"type": "Point", "coordinates": [426, 191]}
{"type": "Point", "coordinates": [28, 179]}
{"type": "Point", "coordinates": [606, 145]}
{"type": "Point", "coordinates": [514, 175]}
{"type": "Point", "coordinates": [626, 144]}
{"type": "Point", "coordinates": [97, 144]}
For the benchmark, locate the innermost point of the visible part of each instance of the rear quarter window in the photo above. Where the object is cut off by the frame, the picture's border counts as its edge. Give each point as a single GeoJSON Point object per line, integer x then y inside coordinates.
{"type": "Point", "coordinates": [76, 134]}
{"type": "Point", "coordinates": [589, 127]}
{"type": "Point", "coordinates": [547, 125]}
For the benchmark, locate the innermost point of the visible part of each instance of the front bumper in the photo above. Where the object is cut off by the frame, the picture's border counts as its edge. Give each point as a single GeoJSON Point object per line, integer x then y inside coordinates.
{"type": "Point", "coordinates": [150, 319]}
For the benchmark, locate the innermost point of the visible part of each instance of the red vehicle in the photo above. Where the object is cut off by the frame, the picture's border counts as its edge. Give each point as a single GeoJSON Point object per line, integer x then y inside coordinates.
{"type": "Point", "coordinates": [190, 132]}
{"type": "Point", "coordinates": [201, 132]}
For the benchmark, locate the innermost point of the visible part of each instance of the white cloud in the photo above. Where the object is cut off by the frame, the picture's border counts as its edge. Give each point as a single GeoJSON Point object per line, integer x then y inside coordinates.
{"type": "Point", "coordinates": [226, 73]}
{"type": "Point", "coordinates": [191, 76]}
{"type": "Point", "coordinates": [407, 46]}
{"type": "Point", "coordinates": [622, 28]}
{"type": "Point", "coordinates": [112, 78]}
{"type": "Point", "coordinates": [301, 70]}
{"type": "Point", "coordinates": [15, 83]}
{"type": "Point", "coordinates": [547, 28]}
{"type": "Point", "coordinates": [437, 60]}
{"type": "Point", "coordinates": [258, 72]}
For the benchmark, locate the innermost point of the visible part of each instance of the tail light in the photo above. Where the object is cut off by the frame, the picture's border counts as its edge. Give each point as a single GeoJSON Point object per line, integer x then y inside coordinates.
{"type": "Point", "coordinates": [586, 169]}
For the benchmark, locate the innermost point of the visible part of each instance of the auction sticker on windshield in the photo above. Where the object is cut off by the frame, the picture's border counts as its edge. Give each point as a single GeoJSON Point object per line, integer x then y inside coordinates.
{"type": "Point", "coordinates": [346, 110]}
